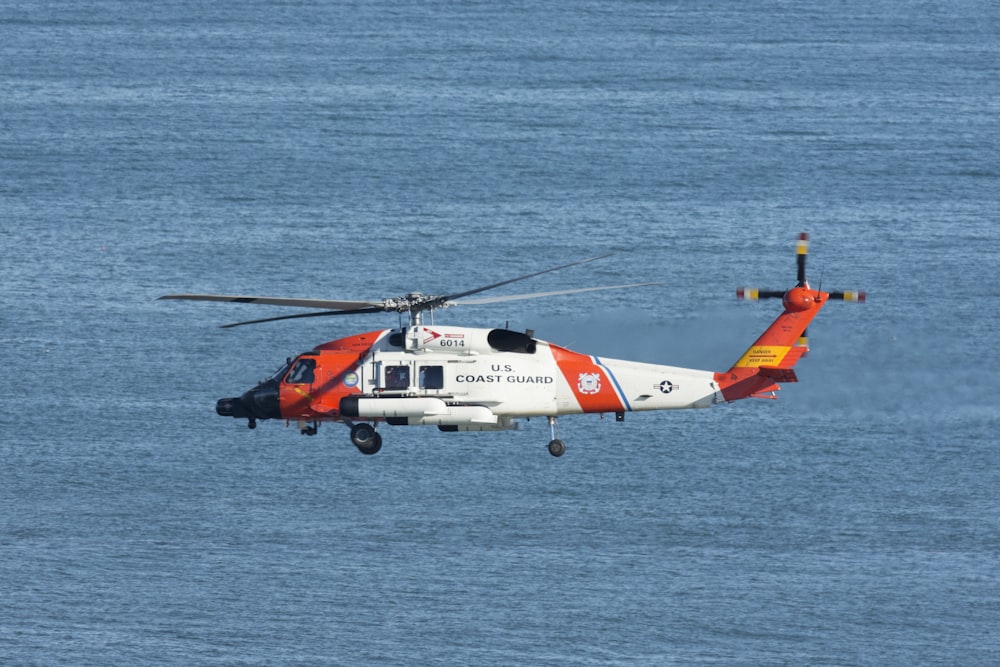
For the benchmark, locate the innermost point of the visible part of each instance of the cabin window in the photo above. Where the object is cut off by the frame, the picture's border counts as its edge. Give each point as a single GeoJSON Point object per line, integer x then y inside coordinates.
{"type": "Point", "coordinates": [303, 372]}
{"type": "Point", "coordinates": [397, 377]}
{"type": "Point", "coordinates": [432, 377]}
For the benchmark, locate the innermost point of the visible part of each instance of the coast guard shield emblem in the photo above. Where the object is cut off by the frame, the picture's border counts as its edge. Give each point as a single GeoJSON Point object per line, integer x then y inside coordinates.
{"type": "Point", "coordinates": [589, 383]}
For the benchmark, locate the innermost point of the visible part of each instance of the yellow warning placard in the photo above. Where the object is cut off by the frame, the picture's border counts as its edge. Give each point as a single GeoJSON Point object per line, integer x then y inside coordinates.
{"type": "Point", "coordinates": [763, 355]}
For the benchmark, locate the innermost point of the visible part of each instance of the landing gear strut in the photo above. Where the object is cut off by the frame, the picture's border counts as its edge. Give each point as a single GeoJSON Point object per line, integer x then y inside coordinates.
{"type": "Point", "coordinates": [366, 438]}
{"type": "Point", "coordinates": [556, 446]}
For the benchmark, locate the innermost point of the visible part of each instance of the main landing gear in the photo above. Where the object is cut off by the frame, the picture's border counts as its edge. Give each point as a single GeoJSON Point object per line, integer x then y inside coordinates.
{"type": "Point", "coordinates": [366, 438]}
{"type": "Point", "coordinates": [369, 441]}
{"type": "Point", "coordinates": [556, 446]}
{"type": "Point", "coordinates": [363, 435]}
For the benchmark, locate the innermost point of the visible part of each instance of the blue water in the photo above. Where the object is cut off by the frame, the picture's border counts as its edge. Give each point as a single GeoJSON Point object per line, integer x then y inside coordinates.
{"type": "Point", "coordinates": [365, 150]}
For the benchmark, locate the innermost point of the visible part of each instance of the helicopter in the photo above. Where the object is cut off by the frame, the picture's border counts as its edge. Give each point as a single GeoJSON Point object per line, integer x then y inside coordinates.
{"type": "Point", "coordinates": [477, 379]}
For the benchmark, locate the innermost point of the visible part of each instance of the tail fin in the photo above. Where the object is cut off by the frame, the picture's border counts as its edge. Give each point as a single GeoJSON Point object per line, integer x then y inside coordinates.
{"type": "Point", "coordinates": [770, 359]}
{"type": "Point", "coordinates": [772, 356]}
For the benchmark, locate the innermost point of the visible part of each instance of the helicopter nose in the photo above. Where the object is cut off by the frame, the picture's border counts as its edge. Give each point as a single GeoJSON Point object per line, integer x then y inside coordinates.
{"type": "Point", "coordinates": [224, 407]}
{"type": "Point", "coordinates": [230, 407]}
{"type": "Point", "coordinates": [261, 402]}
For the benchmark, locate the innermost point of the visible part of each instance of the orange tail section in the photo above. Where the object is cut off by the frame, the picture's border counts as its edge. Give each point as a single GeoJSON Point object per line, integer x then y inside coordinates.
{"type": "Point", "coordinates": [770, 359]}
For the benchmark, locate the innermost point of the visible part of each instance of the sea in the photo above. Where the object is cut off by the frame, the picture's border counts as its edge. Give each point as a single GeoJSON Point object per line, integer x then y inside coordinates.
{"type": "Point", "coordinates": [365, 150]}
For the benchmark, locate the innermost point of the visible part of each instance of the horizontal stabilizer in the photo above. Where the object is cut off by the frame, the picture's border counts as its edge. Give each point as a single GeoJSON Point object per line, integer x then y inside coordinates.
{"type": "Point", "coordinates": [767, 393]}
{"type": "Point", "coordinates": [777, 374]}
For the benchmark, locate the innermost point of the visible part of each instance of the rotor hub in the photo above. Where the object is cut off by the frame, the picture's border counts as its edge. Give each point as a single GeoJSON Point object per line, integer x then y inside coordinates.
{"type": "Point", "coordinates": [798, 299]}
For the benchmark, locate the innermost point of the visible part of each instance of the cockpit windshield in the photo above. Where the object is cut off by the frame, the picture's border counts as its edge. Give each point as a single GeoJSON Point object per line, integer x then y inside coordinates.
{"type": "Point", "coordinates": [280, 373]}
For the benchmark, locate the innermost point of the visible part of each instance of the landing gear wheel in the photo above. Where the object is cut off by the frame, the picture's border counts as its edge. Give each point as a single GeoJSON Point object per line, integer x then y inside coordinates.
{"type": "Point", "coordinates": [374, 447]}
{"type": "Point", "coordinates": [366, 439]}
{"type": "Point", "coordinates": [557, 448]}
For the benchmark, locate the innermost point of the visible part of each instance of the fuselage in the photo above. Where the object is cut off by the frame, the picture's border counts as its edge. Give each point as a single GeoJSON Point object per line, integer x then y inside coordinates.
{"type": "Point", "coordinates": [465, 377]}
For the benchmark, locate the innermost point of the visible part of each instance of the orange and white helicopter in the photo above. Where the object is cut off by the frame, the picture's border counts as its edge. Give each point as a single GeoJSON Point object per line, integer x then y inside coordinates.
{"type": "Point", "coordinates": [473, 379]}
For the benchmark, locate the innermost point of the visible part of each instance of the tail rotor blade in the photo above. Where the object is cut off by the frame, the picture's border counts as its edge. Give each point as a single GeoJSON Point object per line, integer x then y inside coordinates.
{"type": "Point", "coordinates": [857, 296]}
{"type": "Point", "coordinates": [754, 294]}
{"type": "Point", "coordinates": [801, 252]}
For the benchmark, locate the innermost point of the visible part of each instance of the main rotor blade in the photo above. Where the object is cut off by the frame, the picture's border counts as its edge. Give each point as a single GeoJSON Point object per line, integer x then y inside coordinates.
{"type": "Point", "coordinates": [459, 295]}
{"type": "Point", "coordinates": [323, 313]}
{"type": "Point", "coordinates": [278, 301]}
{"type": "Point", "coordinates": [411, 302]}
{"type": "Point", "coordinates": [538, 295]}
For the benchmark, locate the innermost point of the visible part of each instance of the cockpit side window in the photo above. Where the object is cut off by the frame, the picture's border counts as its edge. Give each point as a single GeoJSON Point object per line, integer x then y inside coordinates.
{"type": "Point", "coordinates": [303, 372]}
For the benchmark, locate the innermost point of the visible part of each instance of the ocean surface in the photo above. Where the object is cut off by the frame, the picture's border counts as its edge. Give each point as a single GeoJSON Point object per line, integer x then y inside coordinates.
{"type": "Point", "coordinates": [362, 150]}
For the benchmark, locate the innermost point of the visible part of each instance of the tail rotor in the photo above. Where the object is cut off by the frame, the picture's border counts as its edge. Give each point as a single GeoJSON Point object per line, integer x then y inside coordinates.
{"type": "Point", "coordinates": [801, 296]}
